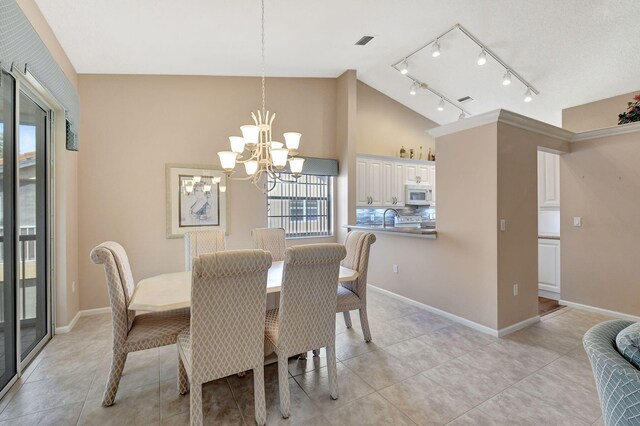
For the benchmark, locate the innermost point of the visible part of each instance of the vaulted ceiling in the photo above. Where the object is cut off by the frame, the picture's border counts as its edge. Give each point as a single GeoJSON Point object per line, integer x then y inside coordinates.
{"type": "Point", "coordinates": [572, 51]}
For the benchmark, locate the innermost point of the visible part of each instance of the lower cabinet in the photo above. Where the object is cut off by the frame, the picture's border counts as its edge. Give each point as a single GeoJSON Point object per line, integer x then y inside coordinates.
{"type": "Point", "coordinates": [549, 267]}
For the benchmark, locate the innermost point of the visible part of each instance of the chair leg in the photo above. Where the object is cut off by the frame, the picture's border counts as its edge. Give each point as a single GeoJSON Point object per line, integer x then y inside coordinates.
{"type": "Point", "coordinates": [332, 371]}
{"type": "Point", "coordinates": [258, 396]}
{"type": "Point", "coordinates": [316, 352]}
{"type": "Point", "coordinates": [364, 323]}
{"type": "Point", "coordinates": [283, 385]}
{"type": "Point", "coordinates": [183, 378]}
{"type": "Point", "coordinates": [117, 365]}
{"type": "Point", "coordinates": [195, 400]}
{"type": "Point", "coordinates": [347, 319]}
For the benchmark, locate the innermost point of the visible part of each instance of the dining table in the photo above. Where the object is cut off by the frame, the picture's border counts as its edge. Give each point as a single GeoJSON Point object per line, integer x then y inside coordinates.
{"type": "Point", "coordinates": [173, 291]}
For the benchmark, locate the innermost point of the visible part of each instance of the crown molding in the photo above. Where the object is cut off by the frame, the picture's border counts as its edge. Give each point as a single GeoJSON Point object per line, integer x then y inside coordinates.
{"type": "Point", "coordinates": [506, 117]}
{"type": "Point", "coordinates": [607, 131]}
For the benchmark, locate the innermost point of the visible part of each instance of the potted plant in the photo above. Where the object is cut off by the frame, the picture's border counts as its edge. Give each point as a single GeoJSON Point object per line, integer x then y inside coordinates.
{"type": "Point", "coordinates": [633, 112]}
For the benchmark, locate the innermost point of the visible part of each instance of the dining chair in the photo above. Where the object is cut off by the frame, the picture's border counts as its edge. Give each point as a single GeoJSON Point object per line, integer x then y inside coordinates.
{"type": "Point", "coordinates": [131, 332]}
{"type": "Point", "coordinates": [352, 295]}
{"type": "Point", "coordinates": [226, 336]}
{"type": "Point", "coordinates": [202, 242]}
{"type": "Point", "coordinates": [306, 318]}
{"type": "Point", "coordinates": [271, 240]}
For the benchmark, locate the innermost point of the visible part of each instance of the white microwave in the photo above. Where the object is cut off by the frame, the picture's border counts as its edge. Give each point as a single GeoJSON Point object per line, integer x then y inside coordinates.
{"type": "Point", "coordinates": [417, 195]}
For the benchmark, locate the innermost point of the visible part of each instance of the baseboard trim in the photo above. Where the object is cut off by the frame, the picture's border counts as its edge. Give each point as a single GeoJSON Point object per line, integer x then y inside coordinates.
{"type": "Point", "coordinates": [601, 311]}
{"type": "Point", "coordinates": [448, 315]}
{"type": "Point", "coordinates": [518, 326]}
{"type": "Point", "coordinates": [548, 294]}
{"type": "Point", "coordinates": [88, 312]}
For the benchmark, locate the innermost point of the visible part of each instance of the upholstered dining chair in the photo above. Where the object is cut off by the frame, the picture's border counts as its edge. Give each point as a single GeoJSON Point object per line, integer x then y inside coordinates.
{"type": "Point", "coordinates": [131, 332]}
{"type": "Point", "coordinates": [352, 295]}
{"type": "Point", "coordinates": [271, 240]}
{"type": "Point", "coordinates": [226, 336]}
{"type": "Point", "coordinates": [202, 242]}
{"type": "Point", "coordinates": [306, 317]}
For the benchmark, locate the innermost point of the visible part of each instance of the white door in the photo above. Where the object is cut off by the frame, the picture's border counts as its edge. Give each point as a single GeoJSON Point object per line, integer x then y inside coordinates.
{"type": "Point", "coordinates": [549, 265]}
{"type": "Point", "coordinates": [398, 183]}
{"type": "Point", "coordinates": [388, 188]}
{"type": "Point", "coordinates": [375, 182]}
{"type": "Point", "coordinates": [362, 196]}
{"type": "Point", "coordinates": [432, 181]}
{"type": "Point", "coordinates": [548, 181]}
{"type": "Point", "coordinates": [410, 174]}
{"type": "Point", "coordinates": [425, 176]}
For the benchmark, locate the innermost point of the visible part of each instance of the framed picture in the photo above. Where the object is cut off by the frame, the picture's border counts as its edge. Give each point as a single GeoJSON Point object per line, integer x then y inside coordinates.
{"type": "Point", "coordinates": [196, 199]}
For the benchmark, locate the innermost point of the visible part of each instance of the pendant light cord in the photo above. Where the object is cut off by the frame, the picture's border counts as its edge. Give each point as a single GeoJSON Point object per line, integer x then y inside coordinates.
{"type": "Point", "coordinates": [263, 67]}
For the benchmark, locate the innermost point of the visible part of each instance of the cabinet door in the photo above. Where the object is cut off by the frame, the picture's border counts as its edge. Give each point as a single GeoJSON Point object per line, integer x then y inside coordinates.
{"type": "Point", "coordinates": [432, 181]}
{"type": "Point", "coordinates": [362, 171]}
{"type": "Point", "coordinates": [374, 183]}
{"type": "Point", "coordinates": [548, 181]}
{"type": "Point", "coordinates": [398, 183]}
{"type": "Point", "coordinates": [425, 176]}
{"type": "Point", "coordinates": [410, 173]}
{"type": "Point", "coordinates": [388, 188]}
{"type": "Point", "coordinates": [549, 265]}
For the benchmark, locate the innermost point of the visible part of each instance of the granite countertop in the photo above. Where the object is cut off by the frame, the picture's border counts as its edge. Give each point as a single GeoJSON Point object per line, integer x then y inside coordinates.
{"type": "Point", "coordinates": [430, 233]}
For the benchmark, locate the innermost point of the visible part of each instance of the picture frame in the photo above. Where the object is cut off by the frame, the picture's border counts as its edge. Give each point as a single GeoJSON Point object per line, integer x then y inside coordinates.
{"type": "Point", "coordinates": [196, 199]}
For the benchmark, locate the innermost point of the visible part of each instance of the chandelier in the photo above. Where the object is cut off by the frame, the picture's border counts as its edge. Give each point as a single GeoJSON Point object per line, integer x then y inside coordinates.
{"type": "Point", "coordinates": [265, 158]}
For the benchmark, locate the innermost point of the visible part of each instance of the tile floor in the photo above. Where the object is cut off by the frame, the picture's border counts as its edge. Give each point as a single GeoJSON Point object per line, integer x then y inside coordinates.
{"type": "Point", "coordinates": [421, 369]}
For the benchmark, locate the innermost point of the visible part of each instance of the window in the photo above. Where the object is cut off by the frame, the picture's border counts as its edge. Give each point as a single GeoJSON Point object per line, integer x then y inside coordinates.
{"type": "Point", "coordinates": [303, 207]}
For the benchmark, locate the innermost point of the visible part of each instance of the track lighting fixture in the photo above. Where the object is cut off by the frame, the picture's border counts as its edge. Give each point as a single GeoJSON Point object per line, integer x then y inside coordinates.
{"type": "Point", "coordinates": [414, 88]}
{"type": "Point", "coordinates": [528, 96]}
{"type": "Point", "coordinates": [435, 50]}
{"type": "Point", "coordinates": [506, 80]}
{"type": "Point", "coordinates": [441, 105]}
{"type": "Point", "coordinates": [462, 116]}
{"type": "Point", "coordinates": [404, 68]}
{"type": "Point", "coordinates": [482, 58]}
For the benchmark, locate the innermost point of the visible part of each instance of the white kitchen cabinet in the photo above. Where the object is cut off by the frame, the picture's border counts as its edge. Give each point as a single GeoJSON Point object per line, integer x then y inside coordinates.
{"type": "Point", "coordinates": [548, 181]}
{"type": "Point", "coordinates": [549, 265]}
{"type": "Point", "coordinates": [432, 182]}
{"type": "Point", "coordinates": [380, 180]}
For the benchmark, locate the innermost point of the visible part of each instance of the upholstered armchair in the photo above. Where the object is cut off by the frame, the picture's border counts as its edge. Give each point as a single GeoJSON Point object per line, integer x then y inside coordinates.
{"type": "Point", "coordinates": [131, 332]}
{"type": "Point", "coordinates": [617, 380]}
{"type": "Point", "coordinates": [271, 240]}
{"type": "Point", "coordinates": [202, 242]}
{"type": "Point", "coordinates": [226, 336]}
{"type": "Point", "coordinates": [306, 317]}
{"type": "Point", "coordinates": [353, 295]}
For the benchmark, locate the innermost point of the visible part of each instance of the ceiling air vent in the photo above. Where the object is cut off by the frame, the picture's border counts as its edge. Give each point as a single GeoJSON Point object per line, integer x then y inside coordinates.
{"type": "Point", "coordinates": [466, 99]}
{"type": "Point", "coordinates": [364, 40]}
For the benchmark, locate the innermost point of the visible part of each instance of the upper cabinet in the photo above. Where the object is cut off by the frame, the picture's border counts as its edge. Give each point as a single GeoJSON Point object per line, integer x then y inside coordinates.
{"type": "Point", "coordinates": [380, 180]}
{"type": "Point", "coordinates": [548, 181]}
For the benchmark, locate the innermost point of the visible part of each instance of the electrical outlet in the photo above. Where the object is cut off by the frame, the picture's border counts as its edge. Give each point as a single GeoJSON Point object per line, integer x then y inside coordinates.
{"type": "Point", "coordinates": [395, 268]}
{"type": "Point", "coordinates": [73, 287]}
{"type": "Point", "coordinates": [515, 289]}
{"type": "Point", "coordinates": [372, 218]}
{"type": "Point", "coordinates": [503, 225]}
{"type": "Point", "coordinates": [577, 222]}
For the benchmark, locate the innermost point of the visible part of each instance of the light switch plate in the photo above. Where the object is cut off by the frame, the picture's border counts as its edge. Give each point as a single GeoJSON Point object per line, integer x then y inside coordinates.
{"type": "Point", "coordinates": [503, 225]}
{"type": "Point", "coordinates": [577, 222]}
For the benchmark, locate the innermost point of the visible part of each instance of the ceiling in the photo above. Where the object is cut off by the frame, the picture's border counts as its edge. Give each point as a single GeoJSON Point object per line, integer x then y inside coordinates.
{"type": "Point", "coordinates": [572, 51]}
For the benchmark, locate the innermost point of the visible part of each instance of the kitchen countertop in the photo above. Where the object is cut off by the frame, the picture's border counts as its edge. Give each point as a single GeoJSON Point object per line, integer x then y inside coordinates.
{"type": "Point", "coordinates": [429, 233]}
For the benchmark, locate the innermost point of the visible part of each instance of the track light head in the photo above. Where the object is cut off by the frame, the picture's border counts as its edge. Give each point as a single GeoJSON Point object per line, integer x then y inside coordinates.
{"type": "Point", "coordinates": [414, 88]}
{"type": "Point", "coordinates": [482, 58]}
{"type": "Point", "coordinates": [404, 68]}
{"type": "Point", "coordinates": [506, 80]}
{"type": "Point", "coordinates": [528, 96]}
{"type": "Point", "coordinates": [462, 115]}
{"type": "Point", "coordinates": [441, 105]}
{"type": "Point", "coordinates": [435, 49]}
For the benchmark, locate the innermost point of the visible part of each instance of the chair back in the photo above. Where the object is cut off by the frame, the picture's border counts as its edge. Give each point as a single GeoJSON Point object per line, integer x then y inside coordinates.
{"type": "Point", "coordinates": [307, 314]}
{"type": "Point", "coordinates": [271, 240]}
{"type": "Point", "coordinates": [617, 380]}
{"type": "Point", "coordinates": [120, 285]}
{"type": "Point", "coordinates": [197, 243]}
{"type": "Point", "coordinates": [358, 245]}
{"type": "Point", "coordinates": [228, 304]}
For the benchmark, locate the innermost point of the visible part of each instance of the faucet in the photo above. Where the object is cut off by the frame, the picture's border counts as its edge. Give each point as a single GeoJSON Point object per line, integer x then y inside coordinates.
{"type": "Point", "coordinates": [384, 216]}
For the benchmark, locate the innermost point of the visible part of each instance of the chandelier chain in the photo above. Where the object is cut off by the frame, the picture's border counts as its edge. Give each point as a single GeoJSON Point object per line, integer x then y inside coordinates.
{"type": "Point", "coordinates": [263, 65]}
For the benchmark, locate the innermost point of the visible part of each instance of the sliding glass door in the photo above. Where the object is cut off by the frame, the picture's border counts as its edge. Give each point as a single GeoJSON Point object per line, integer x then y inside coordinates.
{"type": "Point", "coordinates": [32, 213]}
{"type": "Point", "coordinates": [8, 353]}
{"type": "Point", "coordinates": [24, 279]}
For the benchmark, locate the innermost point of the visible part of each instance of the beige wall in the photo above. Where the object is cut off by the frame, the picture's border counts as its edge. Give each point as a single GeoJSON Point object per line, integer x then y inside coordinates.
{"type": "Point", "coordinates": [457, 272]}
{"type": "Point", "coordinates": [384, 125]}
{"type": "Point", "coordinates": [600, 182]}
{"type": "Point", "coordinates": [65, 171]}
{"type": "Point", "coordinates": [596, 115]}
{"type": "Point", "coordinates": [133, 125]}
